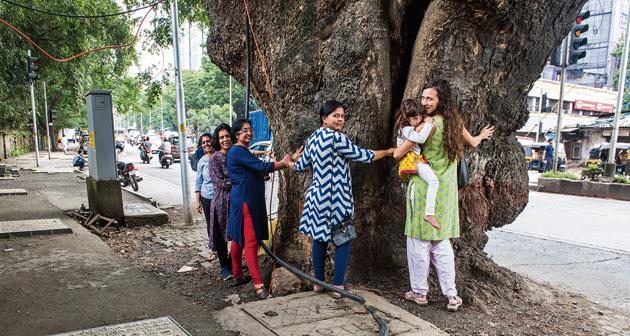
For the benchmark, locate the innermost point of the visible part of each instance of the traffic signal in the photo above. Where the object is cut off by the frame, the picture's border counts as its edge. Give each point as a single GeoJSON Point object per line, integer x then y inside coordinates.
{"type": "Point", "coordinates": [577, 40]}
{"type": "Point", "coordinates": [52, 115]}
{"type": "Point", "coordinates": [543, 102]}
{"type": "Point", "coordinates": [556, 57]}
{"type": "Point", "coordinates": [32, 65]}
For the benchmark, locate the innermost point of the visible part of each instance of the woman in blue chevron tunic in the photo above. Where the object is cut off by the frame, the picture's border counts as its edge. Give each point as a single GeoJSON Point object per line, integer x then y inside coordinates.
{"type": "Point", "coordinates": [328, 200]}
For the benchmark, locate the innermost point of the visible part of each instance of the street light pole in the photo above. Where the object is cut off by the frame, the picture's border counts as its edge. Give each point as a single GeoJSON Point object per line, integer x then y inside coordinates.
{"type": "Point", "coordinates": [35, 131]}
{"type": "Point", "coordinates": [181, 117]}
{"type": "Point", "coordinates": [231, 107]}
{"type": "Point", "coordinates": [611, 166]}
{"type": "Point", "coordinates": [47, 121]}
{"type": "Point", "coordinates": [565, 48]}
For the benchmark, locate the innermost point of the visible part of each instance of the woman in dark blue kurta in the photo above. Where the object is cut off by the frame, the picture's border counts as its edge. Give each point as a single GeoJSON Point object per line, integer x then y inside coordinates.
{"type": "Point", "coordinates": [247, 220]}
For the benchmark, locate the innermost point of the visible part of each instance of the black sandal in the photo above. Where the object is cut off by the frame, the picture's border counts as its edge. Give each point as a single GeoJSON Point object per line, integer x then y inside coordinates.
{"type": "Point", "coordinates": [241, 280]}
{"type": "Point", "coordinates": [262, 293]}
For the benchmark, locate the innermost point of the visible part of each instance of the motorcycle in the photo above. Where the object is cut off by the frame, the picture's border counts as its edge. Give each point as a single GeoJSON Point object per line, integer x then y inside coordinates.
{"type": "Point", "coordinates": [166, 159]}
{"type": "Point", "coordinates": [120, 146]}
{"type": "Point", "coordinates": [126, 175]}
{"type": "Point", "coordinates": [145, 153]}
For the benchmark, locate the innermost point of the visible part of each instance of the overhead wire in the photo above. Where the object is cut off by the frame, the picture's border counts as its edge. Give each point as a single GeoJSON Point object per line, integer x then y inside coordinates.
{"type": "Point", "coordinates": [62, 60]}
{"type": "Point", "coordinates": [81, 16]}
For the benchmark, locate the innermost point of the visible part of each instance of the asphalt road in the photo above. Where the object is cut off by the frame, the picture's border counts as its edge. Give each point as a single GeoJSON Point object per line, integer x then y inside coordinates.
{"type": "Point", "coordinates": [581, 244]}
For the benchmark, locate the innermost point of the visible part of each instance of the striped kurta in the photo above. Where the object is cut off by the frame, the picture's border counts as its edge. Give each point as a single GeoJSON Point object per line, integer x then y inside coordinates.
{"type": "Point", "coordinates": [329, 198]}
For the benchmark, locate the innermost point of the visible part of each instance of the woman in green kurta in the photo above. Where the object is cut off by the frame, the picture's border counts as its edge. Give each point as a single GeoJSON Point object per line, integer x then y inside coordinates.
{"type": "Point", "coordinates": [443, 148]}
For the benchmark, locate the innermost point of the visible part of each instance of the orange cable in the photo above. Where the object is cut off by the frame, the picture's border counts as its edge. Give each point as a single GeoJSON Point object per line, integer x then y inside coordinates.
{"type": "Point", "coordinates": [61, 60]}
{"type": "Point", "coordinates": [262, 57]}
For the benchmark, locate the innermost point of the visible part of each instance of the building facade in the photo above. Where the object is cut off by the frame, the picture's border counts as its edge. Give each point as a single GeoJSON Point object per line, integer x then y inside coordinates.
{"type": "Point", "coordinates": [607, 25]}
{"type": "Point", "coordinates": [581, 105]}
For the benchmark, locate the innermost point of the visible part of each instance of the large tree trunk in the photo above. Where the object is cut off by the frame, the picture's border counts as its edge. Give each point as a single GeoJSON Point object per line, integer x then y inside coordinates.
{"type": "Point", "coordinates": [371, 55]}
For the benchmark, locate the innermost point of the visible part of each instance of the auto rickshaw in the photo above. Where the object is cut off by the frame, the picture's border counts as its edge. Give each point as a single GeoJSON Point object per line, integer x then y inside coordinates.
{"type": "Point", "coordinates": [598, 154]}
{"type": "Point", "coordinates": [534, 156]}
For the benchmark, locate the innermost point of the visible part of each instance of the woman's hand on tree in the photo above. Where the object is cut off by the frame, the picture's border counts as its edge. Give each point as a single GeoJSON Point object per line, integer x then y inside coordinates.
{"type": "Point", "coordinates": [297, 154]}
{"type": "Point", "coordinates": [487, 132]}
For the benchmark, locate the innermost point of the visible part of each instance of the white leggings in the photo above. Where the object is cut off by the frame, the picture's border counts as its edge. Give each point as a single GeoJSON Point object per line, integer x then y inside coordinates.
{"type": "Point", "coordinates": [425, 173]}
{"type": "Point", "coordinates": [439, 252]}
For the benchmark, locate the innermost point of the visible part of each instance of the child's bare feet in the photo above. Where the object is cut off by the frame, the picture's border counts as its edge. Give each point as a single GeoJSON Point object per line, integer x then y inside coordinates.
{"type": "Point", "coordinates": [431, 220]}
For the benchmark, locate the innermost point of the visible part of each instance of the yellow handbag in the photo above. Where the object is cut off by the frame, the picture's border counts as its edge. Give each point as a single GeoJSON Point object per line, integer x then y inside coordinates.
{"type": "Point", "coordinates": [407, 164]}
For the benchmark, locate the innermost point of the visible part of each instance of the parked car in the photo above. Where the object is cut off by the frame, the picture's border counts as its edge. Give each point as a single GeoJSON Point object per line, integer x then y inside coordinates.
{"type": "Point", "coordinates": [261, 146]}
{"type": "Point", "coordinates": [174, 140]}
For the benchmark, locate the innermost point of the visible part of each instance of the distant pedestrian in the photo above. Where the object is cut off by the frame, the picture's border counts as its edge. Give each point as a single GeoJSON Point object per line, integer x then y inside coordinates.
{"type": "Point", "coordinates": [79, 160]}
{"type": "Point", "coordinates": [194, 158]}
{"type": "Point", "coordinates": [247, 220]}
{"type": "Point", "coordinates": [549, 155]}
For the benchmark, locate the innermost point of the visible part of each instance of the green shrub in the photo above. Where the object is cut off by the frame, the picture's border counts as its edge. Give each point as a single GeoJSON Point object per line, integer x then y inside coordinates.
{"type": "Point", "coordinates": [592, 174]}
{"type": "Point", "coordinates": [559, 175]}
{"type": "Point", "coordinates": [621, 179]}
{"type": "Point", "coordinates": [16, 152]}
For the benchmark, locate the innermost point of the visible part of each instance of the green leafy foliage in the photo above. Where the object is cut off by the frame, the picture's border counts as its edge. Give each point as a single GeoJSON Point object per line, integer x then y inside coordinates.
{"type": "Point", "coordinates": [559, 175]}
{"type": "Point", "coordinates": [622, 179]}
{"type": "Point", "coordinates": [67, 83]}
{"type": "Point", "coordinates": [592, 173]}
{"type": "Point", "coordinates": [206, 95]}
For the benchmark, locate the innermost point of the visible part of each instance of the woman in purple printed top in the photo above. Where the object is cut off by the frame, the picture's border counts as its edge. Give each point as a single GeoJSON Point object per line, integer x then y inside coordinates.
{"type": "Point", "coordinates": [221, 142]}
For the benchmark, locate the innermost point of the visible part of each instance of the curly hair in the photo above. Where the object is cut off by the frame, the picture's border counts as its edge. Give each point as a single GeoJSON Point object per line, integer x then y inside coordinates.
{"type": "Point", "coordinates": [215, 139]}
{"type": "Point", "coordinates": [408, 108]}
{"type": "Point", "coordinates": [453, 123]}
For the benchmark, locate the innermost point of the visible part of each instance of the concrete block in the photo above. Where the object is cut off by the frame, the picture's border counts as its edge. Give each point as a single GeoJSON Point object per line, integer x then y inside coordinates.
{"type": "Point", "coordinates": [158, 326]}
{"type": "Point", "coordinates": [27, 228]}
{"type": "Point", "coordinates": [105, 198]}
{"type": "Point", "coordinates": [10, 192]}
{"type": "Point", "coordinates": [140, 214]}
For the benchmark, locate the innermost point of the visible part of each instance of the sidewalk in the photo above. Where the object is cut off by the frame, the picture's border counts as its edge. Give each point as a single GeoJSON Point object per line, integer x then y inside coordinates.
{"type": "Point", "coordinates": [74, 281]}
{"type": "Point", "coordinates": [68, 282]}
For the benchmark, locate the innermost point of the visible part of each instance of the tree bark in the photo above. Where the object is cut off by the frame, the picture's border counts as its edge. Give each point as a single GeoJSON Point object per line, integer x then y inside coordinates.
{"type": "Point", "coordinates": [371, 55]}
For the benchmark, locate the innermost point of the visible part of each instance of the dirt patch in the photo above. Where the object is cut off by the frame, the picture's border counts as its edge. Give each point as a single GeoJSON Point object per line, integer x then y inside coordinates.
{"type": "Point", "coordinates": [536, 310]}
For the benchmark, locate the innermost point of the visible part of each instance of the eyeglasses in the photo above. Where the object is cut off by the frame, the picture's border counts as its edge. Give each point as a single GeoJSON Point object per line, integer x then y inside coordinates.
{"type": "Point", "coordinates": [247, 130]}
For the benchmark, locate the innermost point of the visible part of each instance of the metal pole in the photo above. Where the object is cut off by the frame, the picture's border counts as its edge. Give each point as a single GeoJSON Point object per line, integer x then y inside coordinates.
{"type": "Point", "coordinates": [162, 112]}
{"type": "Point", "coordinates": [560, 103]}
{"type": "Point", "coordinates": [181, 117]}
{"type": "Point", "coordinates": [35, 131]}
{"type": "Point", "coordinates": [539, 116]}
{"type": "Point", "coordinates": [47, 121]}
{"type": "Point", "coordinates": [247, 68]}
{"type": "Point", "coordinates": [231, 107]}
{"type": "Point", "coordinates": [611, 166]}
{"type": "Point", "coordinates": [189, 47]}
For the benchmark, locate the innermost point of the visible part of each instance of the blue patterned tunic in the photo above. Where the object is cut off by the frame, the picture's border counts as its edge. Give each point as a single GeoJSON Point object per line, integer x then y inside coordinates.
{"type": "Point", "coordinates": [328, 199]}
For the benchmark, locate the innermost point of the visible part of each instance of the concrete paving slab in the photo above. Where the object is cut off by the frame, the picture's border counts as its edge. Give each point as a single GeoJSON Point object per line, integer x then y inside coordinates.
{"type": "Point", "coordinates": [10, 192]}
{"type": "Point", "coordinates": [138, 214]}
{"type": "Point", "coordinates": [314, 314]}
{"type": "Point", "coordinates": [33, 227]}
{"type": "Point", "coordinates": [149, 327]}
{"type": "Point", "coordinates": [6, 178]}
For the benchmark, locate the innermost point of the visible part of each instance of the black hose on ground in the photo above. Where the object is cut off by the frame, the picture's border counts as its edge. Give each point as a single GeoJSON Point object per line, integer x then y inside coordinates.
{"type": "Point", "coordinates": [383, 327]}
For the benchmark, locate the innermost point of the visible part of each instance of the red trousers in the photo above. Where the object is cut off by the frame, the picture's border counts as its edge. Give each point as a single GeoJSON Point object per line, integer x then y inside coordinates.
{"type": "Point", "coordinates": [251, 250]}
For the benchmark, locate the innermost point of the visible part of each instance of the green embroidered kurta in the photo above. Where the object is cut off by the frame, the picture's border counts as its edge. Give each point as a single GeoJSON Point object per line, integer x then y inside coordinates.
{"type": "Point", "coordinates": [446, 205]}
